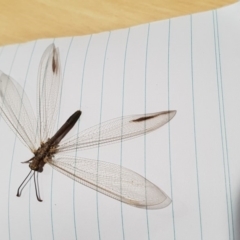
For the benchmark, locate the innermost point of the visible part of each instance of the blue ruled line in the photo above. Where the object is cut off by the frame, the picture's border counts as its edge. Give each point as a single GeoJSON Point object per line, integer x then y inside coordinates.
{"type": "Point", "coordinates": [195, 132]}
{"type": "Point", "coordinates": [145, 140]}
{"type": "Point", "coordinates": [100, 120]}
{"type": "Point", "coordinates": [11, 164]}
{"type": "Point", "coordinates": [169, 129]}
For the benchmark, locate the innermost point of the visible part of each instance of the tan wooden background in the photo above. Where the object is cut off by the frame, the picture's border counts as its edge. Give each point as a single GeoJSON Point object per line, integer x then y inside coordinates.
{"type": "Point", "coordinates": [24, 20]}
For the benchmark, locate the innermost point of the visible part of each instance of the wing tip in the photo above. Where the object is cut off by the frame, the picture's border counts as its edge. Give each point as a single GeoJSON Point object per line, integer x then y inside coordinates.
{"type": "Point", "coordinates": [166, 202]}
{"type": "Point", "coordinates": [171, 114]}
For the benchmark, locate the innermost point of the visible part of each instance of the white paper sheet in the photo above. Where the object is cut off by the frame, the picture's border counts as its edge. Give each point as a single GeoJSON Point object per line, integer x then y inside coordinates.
{"type": "Point", "coordinates": [190, 64]}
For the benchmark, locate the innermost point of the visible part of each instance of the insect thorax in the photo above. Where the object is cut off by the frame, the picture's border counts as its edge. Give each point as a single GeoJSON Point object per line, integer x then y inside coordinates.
{"type": "Point", "coordinates": [42, 155]}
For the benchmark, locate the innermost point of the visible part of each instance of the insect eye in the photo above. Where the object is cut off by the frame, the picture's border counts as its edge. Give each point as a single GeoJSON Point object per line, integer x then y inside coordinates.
{"type": "Point", "coordinates": [33, 166]}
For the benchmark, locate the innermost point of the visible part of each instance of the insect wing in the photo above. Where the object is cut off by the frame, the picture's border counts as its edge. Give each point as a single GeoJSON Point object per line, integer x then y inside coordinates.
{"type": "Point", "coordinates": [115, 130]}
{"type": "Point", "coordinates": [48, 91]}
{"type": "Point", "coordinates": [17, 111]}
{"type": "Point", "coordinates": [113, 180]}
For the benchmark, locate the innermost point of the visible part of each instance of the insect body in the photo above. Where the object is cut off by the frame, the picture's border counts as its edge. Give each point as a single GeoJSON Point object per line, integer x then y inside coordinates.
{"type": "Point", "coordinates": [110, 179]}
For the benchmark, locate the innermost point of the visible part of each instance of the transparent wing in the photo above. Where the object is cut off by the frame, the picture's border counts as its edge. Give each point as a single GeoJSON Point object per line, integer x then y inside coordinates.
{"type": "Point", "coordinates": [114, 181]}
{"type": "Point", "coordinates": [116, 130]}
{"type": "Point", "coordinates": [48, 91]}
{"type": "Point", "coordinates": [17, 111]}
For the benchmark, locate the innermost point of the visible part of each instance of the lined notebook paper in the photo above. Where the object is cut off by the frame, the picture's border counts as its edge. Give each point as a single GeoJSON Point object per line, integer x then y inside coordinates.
{"type": "Point", "coordinates": [190, 64]}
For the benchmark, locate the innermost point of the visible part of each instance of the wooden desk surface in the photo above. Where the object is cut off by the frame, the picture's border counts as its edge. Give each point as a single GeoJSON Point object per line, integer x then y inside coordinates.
{"type": "Point", "coordinates": [24, 20]}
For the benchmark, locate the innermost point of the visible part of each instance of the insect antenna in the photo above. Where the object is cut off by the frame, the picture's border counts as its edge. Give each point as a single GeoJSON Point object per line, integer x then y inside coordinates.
{"type": "Point", "coordinates": [37, 186]}
{"type": "Point", "coordinates": [24, 183]}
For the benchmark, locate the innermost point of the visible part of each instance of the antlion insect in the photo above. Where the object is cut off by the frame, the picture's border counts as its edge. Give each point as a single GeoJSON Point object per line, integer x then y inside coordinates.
{"type": "Point", "coordinates": [110, 179]}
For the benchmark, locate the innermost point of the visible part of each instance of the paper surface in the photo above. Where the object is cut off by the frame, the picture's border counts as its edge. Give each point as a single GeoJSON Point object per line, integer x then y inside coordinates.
{"type": "Point", "coordinates": [189, 64]}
